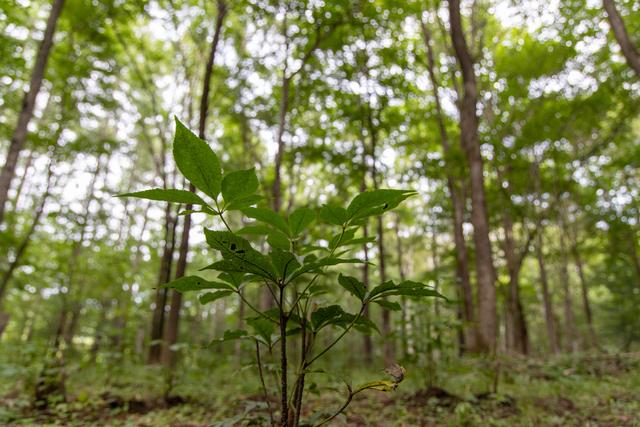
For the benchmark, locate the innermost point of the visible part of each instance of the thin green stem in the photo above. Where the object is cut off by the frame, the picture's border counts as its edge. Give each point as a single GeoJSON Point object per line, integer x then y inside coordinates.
{"type": "Point", "coordinates": [334, 342]}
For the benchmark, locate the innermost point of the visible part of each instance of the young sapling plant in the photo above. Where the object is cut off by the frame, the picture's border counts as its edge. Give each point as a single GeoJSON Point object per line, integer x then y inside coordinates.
{"type": "Point", "coordinates": [294, 269]}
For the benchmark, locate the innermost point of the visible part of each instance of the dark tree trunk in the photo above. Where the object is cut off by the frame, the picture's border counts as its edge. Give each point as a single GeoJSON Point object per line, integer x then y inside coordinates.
{"type": "Point", "coordinates": [367, 342]}
{"type": "Point", "coordinates": [629, 50]}
{"type": "Point", "coordinates": [171, 332]}
{"type": "Point", "coordinates": [546, 296]}
{"type": "Point", "coordinates": [457, 202]}
{"type": "Point", "coordinates": [487, 314]}
{"type": "Point", "coordinates": [28, 105]}
{"type": "Point", "coordinates": [404, 339]}
{"type": "Point", "coordinates": [586, 305]}
{"type": "Point", "coordinates": [516, 325]}
{"type": "Point", "coordinates": [157, 318]}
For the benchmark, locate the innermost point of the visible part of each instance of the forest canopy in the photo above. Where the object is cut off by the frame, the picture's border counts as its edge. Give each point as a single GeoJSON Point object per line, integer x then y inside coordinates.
{"type": "Point", "coordinates": [243, 212]}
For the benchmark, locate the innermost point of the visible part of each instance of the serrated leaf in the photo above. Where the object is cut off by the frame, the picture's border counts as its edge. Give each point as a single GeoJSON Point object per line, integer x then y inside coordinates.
{"type": "Point", "coordinates": [175, 196]}
{"type": "Point", "coordinates": [262, 328]}
{"type": "Point", "coordinates": [212, 296]}
{"type": "Point", "coordinates": [196, 161]}
{"type": "Point", "coordinates": [339, 238]}
{"type": "Point", "coordinates": [376, 202]}
{"type": "Point", "coordinates": [230, 335]}
{"type": "Point", "coordinates": [333, 214]}
{"type": "Point", "coordinates": [269, 217]}
{"type": "Point", "coordinates": [362, 324]}
{"type": "Point", "coordinates": [381, 288]}
{"type": "Point", "coordinates": [388, 305]}
{"type": "Point", "coordinates": [322, 262]}
{"type": "Point", "coordinates": [300, 219]}
{"type": "Point", "coordinates": [278, 240]}
{"type": "Point", "coordinates": [237, 185]}
{"type": "Point", "coordinates": [243, 203]}
{"type": "Point", "coordinates": [284, 262]}
{"type": "Point", "coordinates": [239, 253]}
{"type": "Point", "coordinates": [195, 283]}
{"type": "Point", "coordinates": [325, 316]}
{"type": "Point", "coordinates": [255, 229]}
{"type": "Point", "coordinates": [354, 286]}
{"type": "Point", "coordinates": [406, 288]}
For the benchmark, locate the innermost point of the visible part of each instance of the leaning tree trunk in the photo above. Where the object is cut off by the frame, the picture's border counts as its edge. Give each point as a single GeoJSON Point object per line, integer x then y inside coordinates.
{"type": "Point", "coordinates": [627, 47]}
{"type": "Point", "coordinates": [457, 202]}
{"type": "Point", "coordinates": [487, 314]}
{"type": "Point", "coordinates": [28, 105]}
{"type": "Point", "coordinates": [171, 332]}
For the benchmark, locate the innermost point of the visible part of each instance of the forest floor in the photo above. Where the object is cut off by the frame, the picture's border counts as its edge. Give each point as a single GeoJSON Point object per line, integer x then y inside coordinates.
{"type": "Point", "coordinates": [600, 391]}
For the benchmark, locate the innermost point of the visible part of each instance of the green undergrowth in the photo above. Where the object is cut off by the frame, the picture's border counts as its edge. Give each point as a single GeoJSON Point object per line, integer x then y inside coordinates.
{"type": "Point", "coordinates": [584, 391]}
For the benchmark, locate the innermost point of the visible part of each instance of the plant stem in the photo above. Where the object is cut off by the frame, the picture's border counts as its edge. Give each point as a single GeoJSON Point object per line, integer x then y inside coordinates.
{"type": "Point", "coordinates": [334, 342]}
{"type": "Point", "coordinates": [297, 396]}
{"type": "Point", "coordinates": [339, 411]}
{"type": "Point", "coordinates": [284, 417]}
{"type": "Point", "coordinates": [264, 386]}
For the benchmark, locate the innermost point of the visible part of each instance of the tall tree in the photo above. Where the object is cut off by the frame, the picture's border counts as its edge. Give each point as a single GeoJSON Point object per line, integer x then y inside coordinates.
{"type": "Point", "coordinates": [28, 105]}
{"type": "Point", "coordinates": [628, 48]}
{"type": "Point", "coordinates": [456, 194]}
{"type": "Point", "coordinates": [171, 332]}
{"type": "Point", "coordinates": [485, 275]}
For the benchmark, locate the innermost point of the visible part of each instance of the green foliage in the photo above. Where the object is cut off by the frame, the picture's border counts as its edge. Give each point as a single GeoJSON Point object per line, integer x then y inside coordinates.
{"type": "Point", "coordinates": [196, 161]}
{"type": "Point", "coordinates": [280, 269]}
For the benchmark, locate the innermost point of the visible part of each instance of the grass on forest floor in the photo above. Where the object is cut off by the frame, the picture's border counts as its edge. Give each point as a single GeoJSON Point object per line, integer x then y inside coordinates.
{"type": "Point", "coordinates": [600, 391]}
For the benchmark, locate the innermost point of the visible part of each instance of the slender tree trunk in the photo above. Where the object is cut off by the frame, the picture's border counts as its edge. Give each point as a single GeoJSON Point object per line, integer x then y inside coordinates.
{"type": "Point", "coordinates": [75, 305]}
{"type": "Point", "coordinates": [457, 202]}
{"type": "Point", "coordinates": [171, 332]}
{"type": "Point", "coordinates": [569, 327]}
{"type": "Point", "coordinates": [404, 315]}
{"type": "Point", "coordinates": [157, 318]}
{"type": "Point", "coordinates": [23, 179]}
{"type": "Point", "coordinates": [586, 305]}
{"type": "Point", "coordinates": [28, 105]}
{"type": "Point", "coordinates": [487, 314]}
{"type": "Point", "coordinates": [629, 50]}
{"type": "Point", "coordinates": [546, 296]}
{"type": "Point", "coordinates": [367, 342]}
{"type": "Point", "coordinates": [389, 343]}
{"type": "Point", "coordinates": [15, 263]}
{"type": "Point", "coordinates": [517, 335]}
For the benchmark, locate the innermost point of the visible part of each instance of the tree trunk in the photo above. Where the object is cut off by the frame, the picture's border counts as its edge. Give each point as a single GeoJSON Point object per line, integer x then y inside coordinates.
{"type": "Point", "coordinates": [457, 203]}
{"type": "Point", "coordinates": [517, 335]}
{"type": "Point", "coordinates": [487, 314]}
{"type": "Point", "coordinates": [546, 296]}
{"type": "Point", "coordinates": [28, 105]}
{"type": "Point", "coordinates": [629, 50]}
{"type": "Point", "coordinates": [69, 327]}
{"type": "Point", "coordinates": [367, 342]}
{"type": "Point", "coordinates": [23, 179]}
{"type": "Point", "coordinates": [171, 332]}
{"type": "Point", "coordinates": [404, 340]}
{"type": "Point", "coordinates": [586, 305]}
{"type": "Point", "coordinates": [6, 277]}
{"type": "Point", "coordinates": [157, 318]}
{"type": "Point", "coordinates": [569, 327]}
